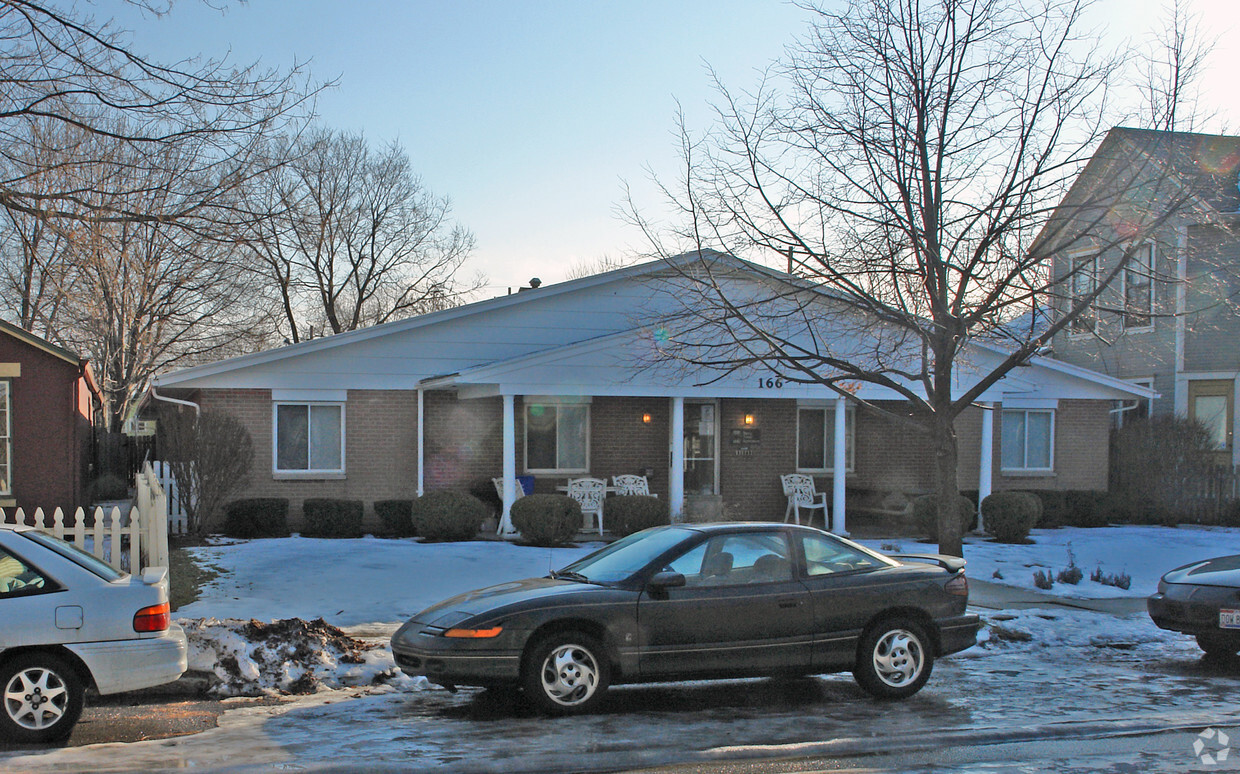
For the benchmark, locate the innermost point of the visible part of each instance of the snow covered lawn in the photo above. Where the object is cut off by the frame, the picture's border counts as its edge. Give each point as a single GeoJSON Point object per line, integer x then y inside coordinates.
{"type": "Point", "coordinates": [1143, 553]}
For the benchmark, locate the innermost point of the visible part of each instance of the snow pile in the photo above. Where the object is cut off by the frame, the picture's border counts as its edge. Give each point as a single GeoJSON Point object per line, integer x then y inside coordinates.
{"type": "Point", "coordinates": [1142, 552]}
{"type": "Point", "coordinates": [1081, 631]}
{"type": "Point", "coordinates": [291, 656]}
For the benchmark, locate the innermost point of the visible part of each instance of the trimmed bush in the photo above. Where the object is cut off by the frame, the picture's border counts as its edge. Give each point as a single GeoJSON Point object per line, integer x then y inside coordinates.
{"type": "Point", "coordinates": [1010, 515]}
{"type": "Point", "coordinates": [329, 518]}
{"type": "Point", "coordinates": [626, 514]}
{"type": "Point", "coordinates": [396, 516]}
{"type": "Point", "coordinates": [925, 515]}
{"type": "Point", "coordinates": [1085, 509]}
{"type": "Point", "coordinates": [257, 517]}
{"type": "Point", "coordinates": [547, 519]}
{"type": "Point", "coordinates": [447, 515]}
{"type": "Point", "coordinates": [107, 487]}
{"type": "Point", "coordinates": [1054, 507]}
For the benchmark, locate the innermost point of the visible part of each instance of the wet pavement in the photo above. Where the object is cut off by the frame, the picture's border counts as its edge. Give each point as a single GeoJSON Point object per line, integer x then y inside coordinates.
{"type": "Point", "coordinates": [1137, 707]}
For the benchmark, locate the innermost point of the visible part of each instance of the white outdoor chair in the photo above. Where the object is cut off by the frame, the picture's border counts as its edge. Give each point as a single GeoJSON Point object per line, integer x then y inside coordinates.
{"type": "Point", "coordinates": [499, 490]}
{"type": "Point", "coordinates": [801, 493]}
{"type": "Point", "coordinates": [628, 484]}
{"type": "Point", "coordinates": [589, 492]}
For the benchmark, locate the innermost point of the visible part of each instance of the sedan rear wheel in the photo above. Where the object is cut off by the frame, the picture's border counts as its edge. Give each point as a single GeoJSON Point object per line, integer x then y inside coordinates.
{"type": "Point", "coordinates": [1218, 644]}
{"type": "Point", "coordinates": [42, 698]}
{"type": "Point", "coordinates": [566, 673]}
{"type": "Point", "coordinates": [894, 659]}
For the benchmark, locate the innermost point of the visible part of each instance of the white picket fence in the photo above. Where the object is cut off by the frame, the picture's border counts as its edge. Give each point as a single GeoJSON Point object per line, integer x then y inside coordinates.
{"type": "Point", "coordinates": [138, 539]}
{"type": "Point", "coordinates": [178, 519]}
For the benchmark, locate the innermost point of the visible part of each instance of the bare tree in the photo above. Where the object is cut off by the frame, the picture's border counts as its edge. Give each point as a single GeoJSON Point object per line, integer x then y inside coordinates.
{"type": "Point", "coordinates": [919, 149]}
{"type": "Point", "coordinates": [1171, 66]}
{"type": "Point", "coordinates": [211, 455]}
{"type": "Point", "coordinates": [354, 238]}
{"type": "Point", "coordinates": [61, 70]}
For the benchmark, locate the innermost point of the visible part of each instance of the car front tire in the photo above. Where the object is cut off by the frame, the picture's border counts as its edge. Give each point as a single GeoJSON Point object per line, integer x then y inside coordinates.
{"type": "Point", "coordinates": [1218, 645]}
{"type": "Point", "coordinates": [41, 697]}
{"type": "Point", "coordinates": [565, 673]}
{"type": "Point", "coordinates": [894, 659]}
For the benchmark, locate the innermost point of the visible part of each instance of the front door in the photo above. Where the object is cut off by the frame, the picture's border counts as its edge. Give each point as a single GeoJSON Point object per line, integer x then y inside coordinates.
{"type": "Point", "coordinates": [741, 611]}
{"type": "Point", "coordinates": [701, 448]}
{"type": "Point", "coordinates": [1210, 403]}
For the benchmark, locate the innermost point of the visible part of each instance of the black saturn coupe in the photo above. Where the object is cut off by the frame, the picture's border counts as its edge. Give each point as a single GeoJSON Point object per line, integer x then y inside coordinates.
{"type": "Point", "coordinates": [695, 602]}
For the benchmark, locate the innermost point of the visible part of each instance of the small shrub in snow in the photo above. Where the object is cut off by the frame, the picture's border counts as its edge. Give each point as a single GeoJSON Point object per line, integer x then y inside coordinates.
{"type": "Point", "coordinates": [1043, 580]}
{"type": "Point", "coordinates": [1122, 580]}
{"type": "Point", "coordinates": [627, 514]}
{"type": "Point", "coordinates": [892, 548]}
{"type": "Point", "coordinates": [997, 575]}
{"type": "Point", "coordinates": [330, 518]}
{"type": "Point", "coordinates": [1071, 574]}
{"type": "Point", "coordinates": [448, 515]}
{"type": "Point", "coordinates": [257, 517]}
{"type": "Point", "coordinates": [396, 516]}
{"type": "Point", "coordinates": [1010, 515]}
{"type": "Point", "coordinates": [926, 515]}
{"type": "Point", "coordinates": [547, 519]}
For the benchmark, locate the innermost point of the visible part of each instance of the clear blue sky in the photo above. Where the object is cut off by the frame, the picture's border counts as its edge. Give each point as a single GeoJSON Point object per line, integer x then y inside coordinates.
{"type": "Point", "coordinates": [530, 114]}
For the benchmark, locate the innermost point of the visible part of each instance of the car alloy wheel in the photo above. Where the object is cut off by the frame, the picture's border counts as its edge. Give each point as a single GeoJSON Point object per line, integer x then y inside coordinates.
{"type": "Point", "coordinates": [42, 698]}
{"type": "Point", "coordinates": [566, 673]}
{"type": "Point", "coordinates": [894, 659]}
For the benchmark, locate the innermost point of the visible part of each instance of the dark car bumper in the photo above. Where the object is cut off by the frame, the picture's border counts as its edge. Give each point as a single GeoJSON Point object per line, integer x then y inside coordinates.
{"type": "Point", "coordinates": [447, 661]}
{"type": "Point", "coordinates": [958, 633]}
{"type": "Point", "coordinates": [1193, 609]}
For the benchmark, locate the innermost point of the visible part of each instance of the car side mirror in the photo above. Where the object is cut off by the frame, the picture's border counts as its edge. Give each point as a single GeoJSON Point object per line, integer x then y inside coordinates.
{"type": "Point", "coordinates": [666, 580]}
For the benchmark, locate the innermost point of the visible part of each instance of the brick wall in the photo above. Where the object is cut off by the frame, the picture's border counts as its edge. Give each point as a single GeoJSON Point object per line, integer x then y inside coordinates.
{"type": "Point", "coordinates": [380, 448]}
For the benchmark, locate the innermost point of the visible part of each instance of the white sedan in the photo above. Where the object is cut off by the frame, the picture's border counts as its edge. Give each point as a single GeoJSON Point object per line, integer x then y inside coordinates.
{"type": "Point", "coordinates": [68, 621]}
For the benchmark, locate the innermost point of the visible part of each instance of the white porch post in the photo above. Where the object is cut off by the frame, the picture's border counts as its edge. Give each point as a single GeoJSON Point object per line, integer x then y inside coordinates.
{"type": "Point", "coordinates": [676, 482]}
{"type": "Point", "coordinates": [987, 460]}
{"type": "Point", "coordinates": [510, 465]}
{"type": "Point", "coordinates": [840, 468]}
{"type": "Point", "coordinates": [421, 443]}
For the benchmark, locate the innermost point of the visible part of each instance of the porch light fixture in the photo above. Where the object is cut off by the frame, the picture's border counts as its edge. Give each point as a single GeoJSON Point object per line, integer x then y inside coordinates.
{"type": "Point", "coordinates": [749, 420]}
{"type": "Point", "coordinates": [646, 418]}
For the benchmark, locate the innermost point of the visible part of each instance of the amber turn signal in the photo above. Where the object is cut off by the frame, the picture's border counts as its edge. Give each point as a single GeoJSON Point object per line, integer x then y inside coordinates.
{"type": "Point", "coordinates": [479, 634]}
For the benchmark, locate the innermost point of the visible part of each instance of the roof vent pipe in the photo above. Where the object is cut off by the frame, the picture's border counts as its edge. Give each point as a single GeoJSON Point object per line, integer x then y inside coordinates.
{"type": "Point", "coordinates": [535, 282]}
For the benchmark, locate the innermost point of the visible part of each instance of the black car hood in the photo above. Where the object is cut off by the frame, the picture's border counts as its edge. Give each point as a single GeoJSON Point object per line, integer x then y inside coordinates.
{"type": "Point", "coordinates": [1222, 571]}
{"type": "Point", "coordinates": [484, 600]}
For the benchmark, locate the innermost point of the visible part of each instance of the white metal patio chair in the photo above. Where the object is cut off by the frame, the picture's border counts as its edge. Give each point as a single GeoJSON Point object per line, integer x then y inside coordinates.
{"type": "Point", "coordinates": [629, 484]}
{"type": "Point", "coordinates": [589, 492]}
{"type": "Point", "coordinates": [801, 493]}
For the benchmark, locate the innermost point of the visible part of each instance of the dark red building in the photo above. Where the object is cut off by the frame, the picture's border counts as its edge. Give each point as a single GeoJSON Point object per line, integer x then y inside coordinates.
{"type": "Point", "coordinates": [48, 398]}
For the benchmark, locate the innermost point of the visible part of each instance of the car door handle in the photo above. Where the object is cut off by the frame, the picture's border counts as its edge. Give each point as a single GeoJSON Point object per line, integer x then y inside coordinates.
{"type": "Point", "coordinates": [788, 603]}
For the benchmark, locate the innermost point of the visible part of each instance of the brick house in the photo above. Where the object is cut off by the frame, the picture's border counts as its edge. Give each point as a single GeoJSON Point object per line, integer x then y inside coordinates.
{"type": "Point", "coordinates": [1169, 322]}
{"type": "Point", "coordinates": [48, 400]}
{"type": "Point", "coordinates": [556, 382]}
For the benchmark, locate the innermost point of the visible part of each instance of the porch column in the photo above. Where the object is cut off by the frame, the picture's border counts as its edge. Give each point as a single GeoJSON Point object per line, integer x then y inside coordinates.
{"type": "Point", "coordinates": [510, 465]}
{"type": "Point", "coordinates": [421, 444]}
{"type": "Point", "coordinates": [676, 482]}
{"type": "Point", "coordinates": [987, 460]}
{"type": "Point", "coordinates": [840, 468]}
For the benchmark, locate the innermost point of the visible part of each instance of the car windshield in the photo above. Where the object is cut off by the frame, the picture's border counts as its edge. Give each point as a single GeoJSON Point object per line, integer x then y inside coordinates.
{"type": "Point", "coordinates": [75, 555]}
{"type": "Point", "coordinates": [625, 557]}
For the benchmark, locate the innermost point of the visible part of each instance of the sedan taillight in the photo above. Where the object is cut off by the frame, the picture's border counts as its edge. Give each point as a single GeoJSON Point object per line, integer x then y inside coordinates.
{"type": "Point", "coordinates": [958, 585]}
{"type": "Point", "coordinates": [156, 618]}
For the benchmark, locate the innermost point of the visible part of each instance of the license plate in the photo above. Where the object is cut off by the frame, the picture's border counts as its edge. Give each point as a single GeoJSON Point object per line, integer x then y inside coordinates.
{"type": "Point", "coordinates": [1229, 619]}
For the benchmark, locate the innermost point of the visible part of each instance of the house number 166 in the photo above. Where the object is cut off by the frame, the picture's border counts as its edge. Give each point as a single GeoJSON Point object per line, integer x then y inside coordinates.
{"type": "Point", "coordinates": [770, 383]}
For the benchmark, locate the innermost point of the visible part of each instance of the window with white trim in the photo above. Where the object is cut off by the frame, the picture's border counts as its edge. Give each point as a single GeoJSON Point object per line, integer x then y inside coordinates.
{"type": "Point", "coordinates": [6, 438]}
{"type": "Point", "coordinates": [1139, 289]}
{"type": "Point", "coordinates": [1082, 284]}
{"type": "Point", "coordinates": [557, 437]}
{"type": "Point", "coordinates": [816, 439]}
{"type": "Point", "coordinates": [1028, 440]}
{"type": "Point", "coordinates": [308, 437]}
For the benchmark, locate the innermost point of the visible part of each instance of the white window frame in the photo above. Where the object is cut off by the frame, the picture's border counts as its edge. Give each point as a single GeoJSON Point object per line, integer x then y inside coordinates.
{"type": "Point", "coordinates": [1090, 273]}
{"type": "Point", "coordinates": [1004, 468]}
{"type": "Point", "coordinates": [6, 438]}
{"type": "Point", "coordinates": [555, 404]}
{"type": "Point", "coordinates": [275, 440]}
{"type": "Point", "coordinates": [850, 430]}
{"type": "Point", "coordinates": [1131, 270]}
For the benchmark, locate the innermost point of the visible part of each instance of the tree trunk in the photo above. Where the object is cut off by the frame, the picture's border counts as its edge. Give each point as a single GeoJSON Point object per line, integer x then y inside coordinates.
{"type": "Point", "coordinates": [947, 487]}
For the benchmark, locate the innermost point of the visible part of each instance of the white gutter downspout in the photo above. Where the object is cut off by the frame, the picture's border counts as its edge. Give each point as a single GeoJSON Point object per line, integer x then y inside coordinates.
{"type": "Point", "coordinates": [197, 409]}
{"type": "Point", "coordinates": [421, 442]}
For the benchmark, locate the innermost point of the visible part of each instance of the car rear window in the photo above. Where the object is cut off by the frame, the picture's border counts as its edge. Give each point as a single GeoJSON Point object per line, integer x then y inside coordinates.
{"type": "Point", "coordinates": [76, 555]}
